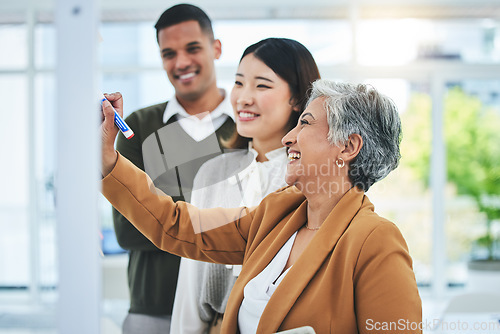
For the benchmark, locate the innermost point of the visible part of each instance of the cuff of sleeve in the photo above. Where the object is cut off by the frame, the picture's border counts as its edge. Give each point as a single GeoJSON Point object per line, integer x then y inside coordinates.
{"type": "Point", "coordinates": [120, 160]}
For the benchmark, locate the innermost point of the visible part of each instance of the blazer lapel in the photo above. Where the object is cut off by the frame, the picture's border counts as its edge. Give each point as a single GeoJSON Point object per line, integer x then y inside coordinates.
{"type": "Point", "coordinates": [260, 257]}
{"type": "Point", "coordinates": [311, 260]}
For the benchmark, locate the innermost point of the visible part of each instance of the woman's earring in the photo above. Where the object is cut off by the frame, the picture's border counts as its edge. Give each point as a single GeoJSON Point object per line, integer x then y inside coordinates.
{"type": "Point", "coordinates": [340, 162]}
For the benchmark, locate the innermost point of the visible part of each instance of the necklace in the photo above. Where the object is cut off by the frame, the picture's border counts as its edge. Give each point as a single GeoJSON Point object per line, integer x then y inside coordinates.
{"type": "Point", "coordinates": [312, 228]}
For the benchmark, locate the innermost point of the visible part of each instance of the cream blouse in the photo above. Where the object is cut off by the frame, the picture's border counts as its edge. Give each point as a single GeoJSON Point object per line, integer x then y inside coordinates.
{"type": "Point", "coordinates": [259, 290]}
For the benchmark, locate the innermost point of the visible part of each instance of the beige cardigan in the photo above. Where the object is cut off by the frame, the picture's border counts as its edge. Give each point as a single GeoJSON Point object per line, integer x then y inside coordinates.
{"type": "Point", "coordinates": [355, 276]}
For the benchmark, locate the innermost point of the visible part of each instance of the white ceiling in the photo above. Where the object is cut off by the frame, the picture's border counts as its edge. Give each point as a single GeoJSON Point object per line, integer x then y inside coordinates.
{"type": "Point", "coordinates": [255, 9]}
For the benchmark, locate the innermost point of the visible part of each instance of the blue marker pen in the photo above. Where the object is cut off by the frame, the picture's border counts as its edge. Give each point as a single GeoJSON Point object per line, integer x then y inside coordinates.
{"type": "Point", "coordinates": [120, 123]}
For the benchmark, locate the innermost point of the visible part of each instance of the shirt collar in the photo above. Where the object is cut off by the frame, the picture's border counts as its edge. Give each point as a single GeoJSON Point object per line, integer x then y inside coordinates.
{"type": "Point", "coordinates": [174, 108]}
{"type": "Point", "coordinates": [276, 159]}
{"type": "Point", "coordinates": [278, 153]}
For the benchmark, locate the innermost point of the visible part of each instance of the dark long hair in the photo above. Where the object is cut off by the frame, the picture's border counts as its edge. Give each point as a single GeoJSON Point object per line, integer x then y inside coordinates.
{"type": "Point", "coordinates": [292, 62]}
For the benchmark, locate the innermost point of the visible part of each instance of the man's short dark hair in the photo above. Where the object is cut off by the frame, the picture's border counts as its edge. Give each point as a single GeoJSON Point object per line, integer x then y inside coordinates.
{"type": "Point", "coordinates": [182, 13]}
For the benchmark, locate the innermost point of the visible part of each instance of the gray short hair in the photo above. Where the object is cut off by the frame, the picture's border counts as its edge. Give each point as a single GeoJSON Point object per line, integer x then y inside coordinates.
{"type": "Point", "coordinates": [363, 110]}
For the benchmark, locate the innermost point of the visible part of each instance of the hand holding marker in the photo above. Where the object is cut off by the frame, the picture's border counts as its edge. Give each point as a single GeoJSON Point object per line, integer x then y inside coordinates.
{"type": "Point", "coordinates": [120, 123]}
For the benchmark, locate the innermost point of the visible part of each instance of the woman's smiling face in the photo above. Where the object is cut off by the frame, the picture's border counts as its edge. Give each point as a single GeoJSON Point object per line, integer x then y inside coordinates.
{"type": "Point", "coordinates": [261, 101]}
{"type": "Point", "coordinates": [312, 157]}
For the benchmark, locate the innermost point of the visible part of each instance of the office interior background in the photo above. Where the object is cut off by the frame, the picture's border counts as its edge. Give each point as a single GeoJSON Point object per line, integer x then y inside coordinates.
{"type": "Point", "coordinates": [439, 60]}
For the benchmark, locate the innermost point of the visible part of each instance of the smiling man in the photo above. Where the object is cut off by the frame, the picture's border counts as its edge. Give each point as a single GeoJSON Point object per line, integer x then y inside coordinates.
{"type": "Point", "coordinates": [172, 140]}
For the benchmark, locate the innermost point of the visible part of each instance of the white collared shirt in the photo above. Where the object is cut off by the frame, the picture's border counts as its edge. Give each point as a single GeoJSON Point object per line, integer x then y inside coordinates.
{"type": "Point", "coordinates": [197, 128]}
{"type": "Point", "coordinates": [256, 181]}
{"type": "Point", "coordinates": [261, 177]}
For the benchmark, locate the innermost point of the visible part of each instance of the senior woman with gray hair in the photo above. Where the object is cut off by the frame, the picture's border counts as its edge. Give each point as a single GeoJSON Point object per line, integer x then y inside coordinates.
{"type": "Point", "coordinates": [314, 253]}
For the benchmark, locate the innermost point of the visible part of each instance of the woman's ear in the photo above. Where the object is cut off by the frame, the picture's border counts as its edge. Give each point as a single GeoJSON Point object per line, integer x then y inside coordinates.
{"type": "Point", "coordinates": [295, 106]}
{"type": "Point", "coordinates": [352, 147]}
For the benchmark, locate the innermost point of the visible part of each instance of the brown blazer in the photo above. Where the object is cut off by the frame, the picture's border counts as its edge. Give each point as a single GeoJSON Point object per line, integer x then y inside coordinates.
{"type": "Point", "coordinates": [354, 277]}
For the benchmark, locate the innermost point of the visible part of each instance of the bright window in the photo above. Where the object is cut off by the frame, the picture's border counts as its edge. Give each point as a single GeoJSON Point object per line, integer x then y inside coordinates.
{"type": "Point", "coordinates": [130, 63]}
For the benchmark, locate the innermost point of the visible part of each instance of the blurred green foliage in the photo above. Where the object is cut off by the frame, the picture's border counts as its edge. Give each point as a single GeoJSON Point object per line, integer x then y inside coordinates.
{"type": "Point", "coordinates": [472, 139]}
